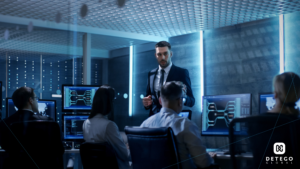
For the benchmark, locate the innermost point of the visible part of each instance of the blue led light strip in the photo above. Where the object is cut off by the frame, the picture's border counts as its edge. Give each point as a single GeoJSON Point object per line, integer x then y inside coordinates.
{"type": "Point", "coordinates": [201, 67]}
{"type": "Point", "coordinates": [281, 43]}
{"type": "Point", "coordinates": [130, 79]}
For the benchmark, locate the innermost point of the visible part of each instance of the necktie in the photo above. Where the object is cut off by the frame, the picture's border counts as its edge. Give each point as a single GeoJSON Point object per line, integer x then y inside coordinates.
{"type": "Point", "coordinates": [161, 81]}
{"type": "Point", "coordinates": [162, 78]}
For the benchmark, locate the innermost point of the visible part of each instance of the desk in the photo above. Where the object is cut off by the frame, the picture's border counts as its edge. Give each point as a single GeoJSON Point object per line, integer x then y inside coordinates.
{"type": "Point", "coordinates": [224, 160]}
{"type": "Point", "coordinates": [222, 156]}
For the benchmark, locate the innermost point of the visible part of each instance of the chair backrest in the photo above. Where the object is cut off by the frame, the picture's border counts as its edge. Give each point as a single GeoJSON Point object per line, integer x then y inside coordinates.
{"type": "Point", "coordinates": [37, 143]}
{"type": "Point", "coordinates": [259, 135]}
{"type": "Point", "coordinates": [98, 155]}
{"type": "Point", "coordinates": [152, 148]}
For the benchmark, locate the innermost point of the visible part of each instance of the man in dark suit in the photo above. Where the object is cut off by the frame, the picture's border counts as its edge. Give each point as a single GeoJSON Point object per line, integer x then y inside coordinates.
{"type": "Point", "coordinates": [165, 72]}
{"type": "Point", "coordinates": [26, 101]}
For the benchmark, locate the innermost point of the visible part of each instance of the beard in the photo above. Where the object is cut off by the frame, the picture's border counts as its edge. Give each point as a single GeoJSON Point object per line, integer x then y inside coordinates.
{"type": "Point", "coordinates": [164, 64]}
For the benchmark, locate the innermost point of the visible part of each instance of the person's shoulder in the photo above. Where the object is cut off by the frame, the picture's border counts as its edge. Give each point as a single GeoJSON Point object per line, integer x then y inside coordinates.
{"type": "Point", "coordinates": [153, 70]}
{"type": "Point", "coordinates": [185, 122]}
{"type": "Point", "coordinates": [98, 120]}
{"type": "Point", "coordinates": [39, 117]}
{"type": "Point", "coordinates": [179, 68]}
{"type": "Point", "coordinates": [149, 120]}
{"type": "Point", "coordinates": [111, 126]}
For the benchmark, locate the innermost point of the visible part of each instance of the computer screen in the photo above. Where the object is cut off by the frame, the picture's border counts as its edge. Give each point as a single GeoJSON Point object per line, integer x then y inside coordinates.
{"type": "Point", "coordinates": [78, 98]}
{"type": "Point", "coordinates": [219, 110]}
{"type": "Point", "coordinates": [267, 102]}
{"type": "Point", "coordinates": [186, 114]}
{"type": "Point", "coordinates": [72, 126]}
{"type": "Point", "coordinates": [45, 107]}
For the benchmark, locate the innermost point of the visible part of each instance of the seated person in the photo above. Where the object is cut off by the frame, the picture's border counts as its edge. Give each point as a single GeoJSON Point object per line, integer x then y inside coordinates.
{"type": "Point", "coordinates": [97, 128]}
{"type": "Point", "coordinates": [262, 136]}
{"type": "Point", "coordinates": [186, 132]}
{"type": "Point", "coordinates": [286, 88]}
{"type": "Point", "coordinates": [26, 101]}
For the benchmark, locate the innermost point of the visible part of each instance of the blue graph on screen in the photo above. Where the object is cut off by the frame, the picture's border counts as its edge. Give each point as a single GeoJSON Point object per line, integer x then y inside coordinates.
{"type": "Point", "coordinates": [220, 110]}
{"type": "Point", "coordinates": [79, 98]}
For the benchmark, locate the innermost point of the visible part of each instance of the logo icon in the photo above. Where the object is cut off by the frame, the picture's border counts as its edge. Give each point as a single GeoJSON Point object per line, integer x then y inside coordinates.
{"type": "Point", "coordinates": [279, 148]}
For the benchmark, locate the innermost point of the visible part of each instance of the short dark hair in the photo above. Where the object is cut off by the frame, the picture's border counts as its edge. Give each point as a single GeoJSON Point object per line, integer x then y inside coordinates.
{"type": "Point", "coordinates": [103, 101]}
{"type": "Point", "coordinates": [171, 90]}
{"type": "Point", "coordinates": [21, 96]}
{"type": "Point", "coordinates": [163, 44]}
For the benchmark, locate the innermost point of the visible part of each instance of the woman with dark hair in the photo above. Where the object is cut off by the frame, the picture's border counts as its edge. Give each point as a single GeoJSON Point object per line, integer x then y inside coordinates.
{"type": "Point", "coordinates": [97, 128]}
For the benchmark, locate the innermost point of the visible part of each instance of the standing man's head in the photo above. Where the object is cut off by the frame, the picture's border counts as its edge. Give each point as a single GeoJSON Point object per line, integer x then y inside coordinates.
{"type": "Point", "coordinates": [103, 101]}
{"type": "Point", "coordinates": [163, 53]}
{"type": "Point", "coordinates": [25, 98]}
{"type": "Point", "coordinates": [172, 96]}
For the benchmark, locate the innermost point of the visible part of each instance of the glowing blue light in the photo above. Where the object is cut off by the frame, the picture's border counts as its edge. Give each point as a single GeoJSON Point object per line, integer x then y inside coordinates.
{"type": "Point", "coordinates": [130, 79]}
{"type": "Point", "coordinates": [201, 68]}
{"type": "Point", "coordinates": [281, 43]}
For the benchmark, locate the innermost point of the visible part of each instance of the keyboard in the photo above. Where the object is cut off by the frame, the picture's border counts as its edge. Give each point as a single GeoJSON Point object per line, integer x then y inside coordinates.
{"type": "Point", "coordinates": [216, 150]}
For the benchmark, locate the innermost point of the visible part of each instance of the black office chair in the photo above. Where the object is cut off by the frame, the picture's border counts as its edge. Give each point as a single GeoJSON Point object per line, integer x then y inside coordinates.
{"type": "Point", "coordinates": [254, 136]}
{"type": "Point", "coordinates": [98, 155]}
{"type": "Point", "coordinates": [152, 148]}
{"type": "Point", "coordinates": [35, 144]}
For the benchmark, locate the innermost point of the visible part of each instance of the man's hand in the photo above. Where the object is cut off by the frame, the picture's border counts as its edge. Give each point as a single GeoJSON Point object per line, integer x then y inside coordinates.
{"type": "Point", "coordinates": [147, 101]}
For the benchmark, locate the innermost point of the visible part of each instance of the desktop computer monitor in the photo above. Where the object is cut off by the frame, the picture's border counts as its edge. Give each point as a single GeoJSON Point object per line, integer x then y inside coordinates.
{"type": "Point", "coordinates": [45, 107]}
{"type": "Point", "coordinates": [186, 114]}
{"type": "Point", "coordinates": [219, 110]}
{"type": "Point", "coordinates": [267, 102]}
{"type": "Point", "coordinates": [78, 98]}
{"type": "Point", "coordinates": [72, 126]}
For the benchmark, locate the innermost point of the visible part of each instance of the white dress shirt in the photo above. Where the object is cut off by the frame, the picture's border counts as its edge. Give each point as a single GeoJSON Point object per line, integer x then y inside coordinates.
{"type": "Point", "coordinates": [158, 75]}
{"type": "Point", "coordinates": [187, 135]}
{"type": "Point", "coordinates": [99, 129]}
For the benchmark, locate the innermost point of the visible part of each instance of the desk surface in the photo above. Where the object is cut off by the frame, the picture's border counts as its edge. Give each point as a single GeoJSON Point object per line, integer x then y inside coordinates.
{"type": "Point", "coordinates": [220, 154]}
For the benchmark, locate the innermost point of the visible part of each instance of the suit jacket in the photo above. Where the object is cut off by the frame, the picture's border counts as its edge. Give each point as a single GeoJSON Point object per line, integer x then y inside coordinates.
{"type": "Point", "coordinates": [175, 74]}
{"type": "Point", "coordinates": [7, 139]}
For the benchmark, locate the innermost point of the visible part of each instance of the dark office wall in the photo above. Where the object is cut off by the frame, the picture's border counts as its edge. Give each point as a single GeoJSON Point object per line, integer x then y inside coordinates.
{"type": "Point", "coordinates": [118, 78]}
{"type": "Point", "coordinates": [3, 79]}
{"type": "Point", "coordinates": [23, 69]}
{"type": "Point", "coordinates": [292, 42]}
{"type": "Point", "coordinates": [186, 54]}
{"type": "Point", "coordinates": [56, 71]}
{"type": "Point", "coordinates": [143, 61]}
{"type": "Point", "coordinates": [241, 59]}
{"type": "Point", "coordinates": [96, 72]}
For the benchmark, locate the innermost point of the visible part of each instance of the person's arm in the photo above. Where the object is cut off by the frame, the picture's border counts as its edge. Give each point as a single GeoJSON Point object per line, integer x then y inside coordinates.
{"type": "Point", "coordinates": [195, 147]}
{"type": "Point", "coordinates": [114, 138]}
{"type": "Point", "coordinates": [190, 100]}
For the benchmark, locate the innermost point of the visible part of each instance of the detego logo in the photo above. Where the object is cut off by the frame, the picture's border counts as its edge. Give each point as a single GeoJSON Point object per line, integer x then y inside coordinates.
{"type": "Point", "coordinates": [279, 149]}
